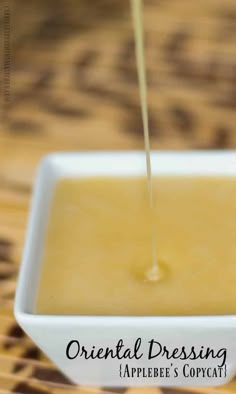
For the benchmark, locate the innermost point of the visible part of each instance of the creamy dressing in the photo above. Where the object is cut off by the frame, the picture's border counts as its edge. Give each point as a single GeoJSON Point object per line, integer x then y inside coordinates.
{"type": "Point", "coordinates": [98, 246]}
{"type": "Point", "coordinates": [155, 272]}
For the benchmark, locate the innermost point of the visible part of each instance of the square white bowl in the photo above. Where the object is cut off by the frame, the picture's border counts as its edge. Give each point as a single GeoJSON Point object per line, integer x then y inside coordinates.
{"type": "Point", "coordinates": [53, 333]}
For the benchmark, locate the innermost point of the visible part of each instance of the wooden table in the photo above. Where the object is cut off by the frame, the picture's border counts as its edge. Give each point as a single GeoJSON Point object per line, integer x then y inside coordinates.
{"type": "Point", "coordinates": [74, 87]}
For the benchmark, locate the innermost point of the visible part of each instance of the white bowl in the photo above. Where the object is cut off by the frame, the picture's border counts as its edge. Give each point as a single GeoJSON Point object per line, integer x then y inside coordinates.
{"type": "Point", "coordinates": [53, 333]}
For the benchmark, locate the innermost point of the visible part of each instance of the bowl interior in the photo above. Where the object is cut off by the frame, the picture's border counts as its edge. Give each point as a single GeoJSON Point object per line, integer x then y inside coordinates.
{"type": "Point", "coordinates": [92, 164]}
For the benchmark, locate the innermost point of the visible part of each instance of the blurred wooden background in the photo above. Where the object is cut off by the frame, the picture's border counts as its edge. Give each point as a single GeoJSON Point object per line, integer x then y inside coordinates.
{"type": "Point", "coordinates": [73, 86]}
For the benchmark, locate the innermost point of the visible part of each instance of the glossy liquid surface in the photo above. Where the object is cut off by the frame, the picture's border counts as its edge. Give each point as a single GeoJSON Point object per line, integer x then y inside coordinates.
{"type": "Point", "coordinates": [98, 247]}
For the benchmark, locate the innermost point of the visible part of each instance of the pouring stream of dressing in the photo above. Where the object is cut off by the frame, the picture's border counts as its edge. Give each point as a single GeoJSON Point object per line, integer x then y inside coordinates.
{"type": "Point", "coordinates": [154, 273]}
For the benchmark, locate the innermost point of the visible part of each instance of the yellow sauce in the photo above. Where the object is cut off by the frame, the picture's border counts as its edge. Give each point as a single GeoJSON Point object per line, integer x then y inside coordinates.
{"type": "Point", "coordinates": [154, 272]}
{"type": "Point", "coordinates": [98, 247]}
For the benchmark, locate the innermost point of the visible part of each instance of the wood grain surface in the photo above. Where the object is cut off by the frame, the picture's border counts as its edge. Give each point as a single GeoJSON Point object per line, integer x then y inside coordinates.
{"type": "Point", "coordinates": [73, 86]}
